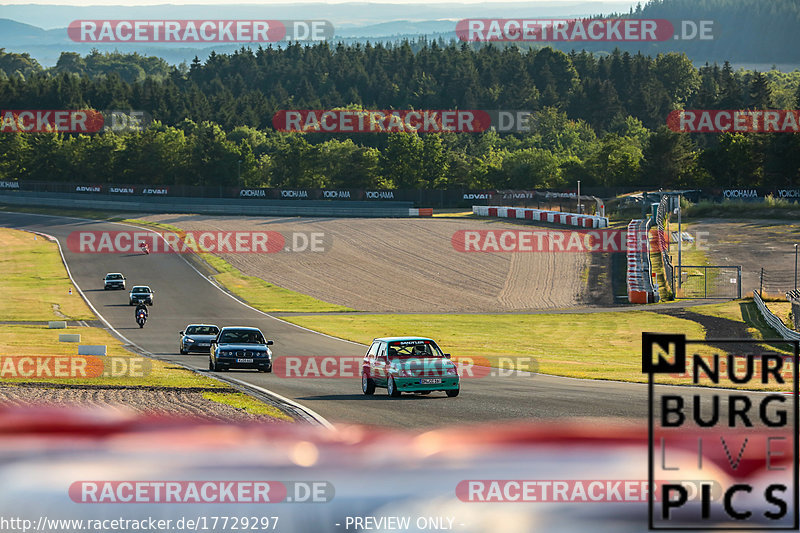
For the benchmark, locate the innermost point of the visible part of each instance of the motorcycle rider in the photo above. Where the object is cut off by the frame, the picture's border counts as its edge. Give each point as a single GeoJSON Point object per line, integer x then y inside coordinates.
{"type": "Point", "coordinates": [141, 307]}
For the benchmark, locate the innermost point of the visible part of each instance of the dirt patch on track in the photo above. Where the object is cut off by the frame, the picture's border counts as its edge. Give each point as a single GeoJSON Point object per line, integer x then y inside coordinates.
{"type": "Point", "coordinates": [149, 400]}
{"type": "Point", "coordinates": [405, 265]}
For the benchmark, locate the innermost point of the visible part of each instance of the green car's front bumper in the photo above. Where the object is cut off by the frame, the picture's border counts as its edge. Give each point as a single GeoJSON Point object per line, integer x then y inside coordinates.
{"type": "Point", "coordinates": [415, 384]}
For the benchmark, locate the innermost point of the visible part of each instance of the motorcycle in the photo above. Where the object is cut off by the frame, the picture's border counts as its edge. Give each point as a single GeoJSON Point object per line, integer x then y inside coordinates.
{"type": "Point", "coordinates": [141, 317]}
{"type": "Point", "coordinates": [145, 249]}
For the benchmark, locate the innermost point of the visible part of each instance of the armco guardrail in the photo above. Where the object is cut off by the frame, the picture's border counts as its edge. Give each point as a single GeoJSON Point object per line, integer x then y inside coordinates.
{"type": "Point", "coordinates": [775, 322]}
{"type": "Point", "coordinates": [641, 289]}
{"type": "Point", "coordinates": [555, 217]}
{"type": "Point", "coordinates": [217, 206]}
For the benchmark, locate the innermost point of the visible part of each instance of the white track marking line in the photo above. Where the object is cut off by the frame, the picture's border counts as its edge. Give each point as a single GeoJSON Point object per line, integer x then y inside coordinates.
{"type": "Point", "coordinates": [310, 412]}
{"type": "Point", "coordinates": [215, 284]}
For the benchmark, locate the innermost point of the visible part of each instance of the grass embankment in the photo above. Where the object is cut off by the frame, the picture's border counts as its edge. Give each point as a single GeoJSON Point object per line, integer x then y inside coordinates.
{"type": "Point", "coordinates": [35, 289]}
{"type": "Point", "coordinates": [255, 291]}
{"type": "Point", "coordinates": [580, 345]}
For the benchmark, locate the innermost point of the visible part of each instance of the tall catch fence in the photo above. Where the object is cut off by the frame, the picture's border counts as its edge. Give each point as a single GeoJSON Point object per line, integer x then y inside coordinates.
{"type": "Point", "coordinates": [775, 281]}
{"type": "Point", "coordinates": [662, 222]}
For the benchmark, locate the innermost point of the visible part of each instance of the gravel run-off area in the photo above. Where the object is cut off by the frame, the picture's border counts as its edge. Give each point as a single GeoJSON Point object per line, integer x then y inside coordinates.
{"type": "Point", "coordinates": [405, 265]}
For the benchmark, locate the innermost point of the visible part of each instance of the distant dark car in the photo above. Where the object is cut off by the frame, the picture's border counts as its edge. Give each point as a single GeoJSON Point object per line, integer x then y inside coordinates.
{"type": "Point", "coordinates": [240, 347]}
{"type": "Point", "coordinates": [141, 293]}
{"type": "Point", "coordinates": [197, 338]}
{"type": "Point", "coordinates": [114, 280]}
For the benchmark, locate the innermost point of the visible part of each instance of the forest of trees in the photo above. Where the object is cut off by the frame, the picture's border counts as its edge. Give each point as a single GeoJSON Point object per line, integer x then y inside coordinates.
{"type": "Point", "coordinates": [597, 118]}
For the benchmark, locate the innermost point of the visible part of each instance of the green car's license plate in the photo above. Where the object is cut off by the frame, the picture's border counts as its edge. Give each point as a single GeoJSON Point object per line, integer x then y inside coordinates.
{"type": "Point", "coordinates": [430, 381]}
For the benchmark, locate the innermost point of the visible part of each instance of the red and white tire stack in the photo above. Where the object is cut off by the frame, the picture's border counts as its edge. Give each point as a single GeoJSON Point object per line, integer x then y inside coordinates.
{"type": "Point", "coordinates": [541, 215]}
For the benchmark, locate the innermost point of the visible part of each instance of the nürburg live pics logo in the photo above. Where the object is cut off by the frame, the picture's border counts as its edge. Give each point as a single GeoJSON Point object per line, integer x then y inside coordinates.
{"type": "Point", "coordinates": [726, 411]}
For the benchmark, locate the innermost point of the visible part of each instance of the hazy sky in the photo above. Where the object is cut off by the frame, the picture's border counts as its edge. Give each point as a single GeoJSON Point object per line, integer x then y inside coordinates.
{"type": "Point", "coordinates": [262, 2]}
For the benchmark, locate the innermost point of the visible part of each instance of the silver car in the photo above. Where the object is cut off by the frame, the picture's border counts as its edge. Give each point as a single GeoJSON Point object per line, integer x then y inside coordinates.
{"type": "Point", "coordinates": [141, 293]}
{"type": "Point", "coordinates": [114, 280]}
{"type": "Point", "coordinates": [197, 338]}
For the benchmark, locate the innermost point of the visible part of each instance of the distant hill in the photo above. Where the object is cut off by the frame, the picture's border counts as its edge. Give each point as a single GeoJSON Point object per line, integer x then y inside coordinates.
{"type": "Point", "coordinates": [751, 33]}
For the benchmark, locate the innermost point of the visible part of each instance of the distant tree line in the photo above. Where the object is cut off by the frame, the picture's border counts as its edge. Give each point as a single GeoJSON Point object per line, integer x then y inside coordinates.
{"type": "Point", "coordinates": [597, 118]}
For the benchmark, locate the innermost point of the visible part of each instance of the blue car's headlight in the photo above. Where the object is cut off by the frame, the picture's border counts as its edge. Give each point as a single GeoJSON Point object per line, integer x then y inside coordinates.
{"type": "Point", "coordinates": [187, 339]}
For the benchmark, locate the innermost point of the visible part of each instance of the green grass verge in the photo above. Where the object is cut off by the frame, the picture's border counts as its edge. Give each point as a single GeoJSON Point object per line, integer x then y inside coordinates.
{"type": "Point", "coordinates": [746, 311]}
{"type": "Point", "coordinates": [246, 403]}
{"type": "Point", "coordinates": [580, 345]}
{"type": "Point", "coordinates": [453, 213]}
{"type": "Point", "coordinates": [34, 283]}
{"type": "Point", "coordinates": [258, 293]}
{"type": "Point", "coordinates": [604, 346]}
{"type": "Point", "coordinates": [35, 288]}
{"type": "Point", "coordinates": [27, 340]}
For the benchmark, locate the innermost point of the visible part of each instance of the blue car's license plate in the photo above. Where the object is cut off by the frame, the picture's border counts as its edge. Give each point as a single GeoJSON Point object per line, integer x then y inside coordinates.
{"type": "Point", "coordinates": [244, 360]}
{"type": "Point", "coordinates": [203, 344]}
{"type": "Point", "coordinates": [430, 381]}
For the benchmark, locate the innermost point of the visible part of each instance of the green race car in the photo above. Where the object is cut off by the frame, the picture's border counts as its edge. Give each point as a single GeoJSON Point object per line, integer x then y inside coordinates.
{"type": "Point", "coordinates": [408, 364]}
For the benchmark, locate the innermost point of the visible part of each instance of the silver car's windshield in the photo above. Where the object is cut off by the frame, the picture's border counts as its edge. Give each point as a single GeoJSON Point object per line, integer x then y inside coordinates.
{"type": "Point", "coordinates": [201, 330]}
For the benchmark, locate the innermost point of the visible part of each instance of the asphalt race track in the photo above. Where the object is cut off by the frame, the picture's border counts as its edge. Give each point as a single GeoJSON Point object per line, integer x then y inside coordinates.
{"type": "Point", "coordinates": [184, 296]}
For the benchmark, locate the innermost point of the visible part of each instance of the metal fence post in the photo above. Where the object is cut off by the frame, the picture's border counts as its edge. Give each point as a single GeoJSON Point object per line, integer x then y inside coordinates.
{"type": "Point", "coordinates": [761, 283]}
{"type": "Point", "coordinates": [705, 282]}
{"type": "Point", "coordinates": [739, 283]}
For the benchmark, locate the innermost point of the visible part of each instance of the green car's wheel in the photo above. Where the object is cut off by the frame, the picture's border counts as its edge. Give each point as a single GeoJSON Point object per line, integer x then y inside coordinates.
{"type": "Point", "coordinates": [367, 385]}
{"type": "Point", "coordinates": [391, 388]}
{"type": "Point", "coordinates": [453, 393]}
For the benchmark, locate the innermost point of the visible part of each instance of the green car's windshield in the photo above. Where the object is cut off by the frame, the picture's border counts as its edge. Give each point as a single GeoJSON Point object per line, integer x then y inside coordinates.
{"type": "Point", "coordinates": [414, 348]}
